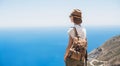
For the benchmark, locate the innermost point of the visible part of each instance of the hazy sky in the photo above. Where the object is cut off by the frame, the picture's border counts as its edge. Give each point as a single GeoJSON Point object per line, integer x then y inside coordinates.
{"type": "Point", "coordinates": [46, 13]}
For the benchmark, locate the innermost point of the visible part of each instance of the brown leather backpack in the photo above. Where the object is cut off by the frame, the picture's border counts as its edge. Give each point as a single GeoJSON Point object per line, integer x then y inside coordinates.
{"type": "Point", "coordinates": [78, 49]}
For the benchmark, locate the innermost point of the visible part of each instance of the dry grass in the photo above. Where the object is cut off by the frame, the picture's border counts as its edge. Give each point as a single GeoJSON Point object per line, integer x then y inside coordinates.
{"type": "Point", "coordinates": [110, 52]}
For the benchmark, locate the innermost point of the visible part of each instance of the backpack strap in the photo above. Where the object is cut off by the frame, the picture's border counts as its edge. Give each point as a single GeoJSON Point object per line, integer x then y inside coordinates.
{"type": "Point", "coordinates": [76, 33]}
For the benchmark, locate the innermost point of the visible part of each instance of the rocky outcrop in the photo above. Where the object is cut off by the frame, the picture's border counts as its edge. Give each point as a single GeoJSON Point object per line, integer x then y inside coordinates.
{"type": "Point", "coordinates": [106, 55]}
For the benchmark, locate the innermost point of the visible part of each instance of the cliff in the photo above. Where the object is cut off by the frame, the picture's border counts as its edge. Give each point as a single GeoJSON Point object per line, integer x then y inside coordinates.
{"type": "Point", "coordinates": [106, 55]}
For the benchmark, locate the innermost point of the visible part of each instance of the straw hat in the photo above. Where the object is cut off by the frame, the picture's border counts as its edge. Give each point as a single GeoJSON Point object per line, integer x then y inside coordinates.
{"type": "Point", "coordinates": [76, 13]}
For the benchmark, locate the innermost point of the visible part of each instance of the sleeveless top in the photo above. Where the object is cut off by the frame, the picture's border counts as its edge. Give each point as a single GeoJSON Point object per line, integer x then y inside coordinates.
{"type": "Point", "coordinates": [80, 30]}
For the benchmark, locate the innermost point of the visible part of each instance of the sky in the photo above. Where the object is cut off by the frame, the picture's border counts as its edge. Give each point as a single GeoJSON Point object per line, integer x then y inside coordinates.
{"type": "Point", "coordinates": [50, 13]}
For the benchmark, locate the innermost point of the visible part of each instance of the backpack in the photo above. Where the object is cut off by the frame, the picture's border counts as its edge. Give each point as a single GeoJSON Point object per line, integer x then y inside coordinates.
{"type": "Point", "coordinates": [78, 49]}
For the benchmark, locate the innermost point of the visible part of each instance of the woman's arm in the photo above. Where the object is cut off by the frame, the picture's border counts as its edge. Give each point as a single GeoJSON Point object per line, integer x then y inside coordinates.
{"type": "Point", "coordinates": [68, 47]}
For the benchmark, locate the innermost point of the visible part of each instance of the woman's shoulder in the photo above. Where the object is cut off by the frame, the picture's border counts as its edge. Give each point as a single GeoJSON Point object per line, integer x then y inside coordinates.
{"type": "Point", "coordinates": [70, 29]}
{"type": "Point", "coordinates": [83, 28]}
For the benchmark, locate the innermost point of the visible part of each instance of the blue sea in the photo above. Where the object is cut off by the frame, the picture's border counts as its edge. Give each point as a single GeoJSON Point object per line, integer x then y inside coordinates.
{"type": "Point", "coordinates": [44, 46]}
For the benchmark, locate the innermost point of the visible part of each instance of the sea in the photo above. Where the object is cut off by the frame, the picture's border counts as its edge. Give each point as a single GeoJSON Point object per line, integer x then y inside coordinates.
{"type": "Point", "coordinates": [44, 46]}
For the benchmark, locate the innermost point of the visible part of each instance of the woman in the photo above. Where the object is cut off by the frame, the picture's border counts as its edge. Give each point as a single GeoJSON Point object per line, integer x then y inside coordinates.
{"type": "Point", "coordinates": [76, 18]}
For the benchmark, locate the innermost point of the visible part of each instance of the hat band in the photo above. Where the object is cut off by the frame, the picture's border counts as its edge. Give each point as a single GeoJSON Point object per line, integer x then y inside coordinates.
{"type": "Point", "coordinates": [75, 15]}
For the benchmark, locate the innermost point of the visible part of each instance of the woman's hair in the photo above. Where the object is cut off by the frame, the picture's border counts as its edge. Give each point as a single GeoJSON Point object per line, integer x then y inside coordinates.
{"type": "Point", "coordinates": [77, 16]}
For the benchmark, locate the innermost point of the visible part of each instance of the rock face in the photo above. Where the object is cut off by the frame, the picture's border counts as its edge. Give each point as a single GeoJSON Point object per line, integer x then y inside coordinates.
{"type": "Point", "coordinates": [106, 55]}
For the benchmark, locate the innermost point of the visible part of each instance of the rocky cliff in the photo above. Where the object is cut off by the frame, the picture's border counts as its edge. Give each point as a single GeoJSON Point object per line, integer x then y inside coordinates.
{"type": "Point", "coordinates": [106, 55]}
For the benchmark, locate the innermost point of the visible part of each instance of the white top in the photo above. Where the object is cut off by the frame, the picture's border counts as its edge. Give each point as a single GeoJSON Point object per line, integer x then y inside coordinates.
{"type": "Point", "coordinates": [80, 30]}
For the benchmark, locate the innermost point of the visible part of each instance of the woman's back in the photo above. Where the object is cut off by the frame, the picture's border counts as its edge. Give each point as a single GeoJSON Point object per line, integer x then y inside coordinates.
{"type": "Point", "coordinates": [80, 30]}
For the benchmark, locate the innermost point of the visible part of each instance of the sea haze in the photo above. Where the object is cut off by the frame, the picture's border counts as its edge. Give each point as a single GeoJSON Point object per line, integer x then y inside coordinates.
{"type": "Point", "coordinates": [44, 46]}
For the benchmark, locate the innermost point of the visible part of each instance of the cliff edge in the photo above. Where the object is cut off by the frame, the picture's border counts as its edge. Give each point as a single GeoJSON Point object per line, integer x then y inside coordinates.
{"type": "Point", "coordinates": [106, 55]}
